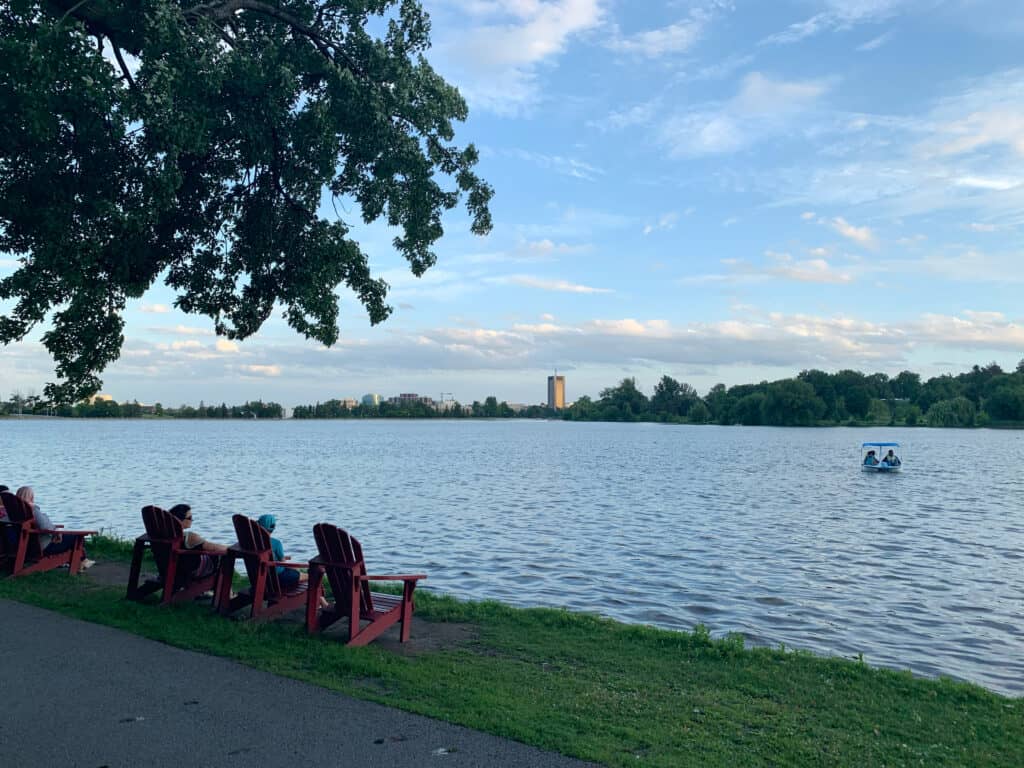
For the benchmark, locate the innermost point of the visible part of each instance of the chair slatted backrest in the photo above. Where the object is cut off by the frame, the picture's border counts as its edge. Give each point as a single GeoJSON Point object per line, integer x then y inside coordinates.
{"type": "Point", "coordinates": [344, 552]}
{"type": "Point", "coordinates": [19, 513]}
{"type": "Point", "coordinates": [165, 533]}
{"type": "Point", "coordinates": [254, 546]}
{"type": "Point", "coordinates": [8, 534]}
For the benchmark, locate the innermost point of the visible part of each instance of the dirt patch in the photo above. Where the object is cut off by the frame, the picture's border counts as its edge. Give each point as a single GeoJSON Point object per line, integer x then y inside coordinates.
{"type": "Point", "coordinates": [109, 574]}
{"type": "Point", "coordinates": [426, 636]}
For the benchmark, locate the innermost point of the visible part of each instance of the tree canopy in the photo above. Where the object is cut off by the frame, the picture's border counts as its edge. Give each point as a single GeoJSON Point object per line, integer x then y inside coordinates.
{"type": "Point", "coordinates": [196, 142]}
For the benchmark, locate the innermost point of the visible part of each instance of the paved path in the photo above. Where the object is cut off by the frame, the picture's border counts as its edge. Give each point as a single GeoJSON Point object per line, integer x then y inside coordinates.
{"type": "Point", "coordinates": [80, 694]}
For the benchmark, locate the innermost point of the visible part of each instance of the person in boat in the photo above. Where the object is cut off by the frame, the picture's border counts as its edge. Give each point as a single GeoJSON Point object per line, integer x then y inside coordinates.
{"type": "Point", "coordinates": [891, 459]}
{"type": "Point", "coordinates": [870, 460]}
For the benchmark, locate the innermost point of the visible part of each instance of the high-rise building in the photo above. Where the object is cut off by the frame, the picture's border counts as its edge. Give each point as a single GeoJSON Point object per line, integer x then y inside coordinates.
{"type": "Point", "coordinates": [372, 400]}
{"type": "Point", "coordinates": [556, 392]}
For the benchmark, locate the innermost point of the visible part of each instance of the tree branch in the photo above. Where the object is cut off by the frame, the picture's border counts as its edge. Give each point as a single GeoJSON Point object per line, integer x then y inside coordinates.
{"type": "Point", "coordinates": [124, 67]}
{"type": "Point", "coordinates": [226, 9]}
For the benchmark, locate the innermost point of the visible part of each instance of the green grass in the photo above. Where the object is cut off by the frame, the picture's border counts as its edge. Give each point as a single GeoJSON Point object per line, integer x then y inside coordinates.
{"type": "Point", "coordinates": [600, 690]}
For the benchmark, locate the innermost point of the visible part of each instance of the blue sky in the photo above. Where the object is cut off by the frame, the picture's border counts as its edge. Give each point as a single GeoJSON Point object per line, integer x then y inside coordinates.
{"type": "Point", "coordinates": [716, 190]}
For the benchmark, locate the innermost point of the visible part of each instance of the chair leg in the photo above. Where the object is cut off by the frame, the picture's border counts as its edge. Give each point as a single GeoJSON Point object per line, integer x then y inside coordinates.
{"type": "Point", "coordinates": [355, 609]}
{"type": "Point", "coordinates": [222, 592]}
{"type": "Point", "coordinates": [19, 558]}
{"type": "Point", "coordinates": [75, 561]}
{"type": "Point", "coordinates": [314, 591]}
{"type": "Point", "coordinates": [136, 571]}
{"type": "Point", "coordinates": [170, 579]}
{"type": "Point", "coordinates": [407, 608]}
{"type": "Point", "coordinates": [258, 591]}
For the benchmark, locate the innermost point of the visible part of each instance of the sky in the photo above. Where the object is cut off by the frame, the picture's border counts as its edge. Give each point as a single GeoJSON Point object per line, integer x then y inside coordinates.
{"type": "Point", "coordinates": [718, 190]}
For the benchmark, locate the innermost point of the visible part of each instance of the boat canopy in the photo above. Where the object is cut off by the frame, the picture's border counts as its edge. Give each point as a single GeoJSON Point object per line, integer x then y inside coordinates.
{"type": "Point", "coordinates": [880, 445]}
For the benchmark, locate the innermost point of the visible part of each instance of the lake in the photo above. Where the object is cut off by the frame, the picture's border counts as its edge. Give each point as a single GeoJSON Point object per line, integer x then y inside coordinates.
{"type": "Point", "coordinates": [772, 533]}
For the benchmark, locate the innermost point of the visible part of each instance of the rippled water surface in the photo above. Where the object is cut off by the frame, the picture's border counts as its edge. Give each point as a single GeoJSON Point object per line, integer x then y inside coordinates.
{"type": "Point", "coordinates": [774, 533]}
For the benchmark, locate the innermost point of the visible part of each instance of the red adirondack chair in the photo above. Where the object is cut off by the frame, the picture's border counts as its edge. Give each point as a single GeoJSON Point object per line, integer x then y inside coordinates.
{"type": "Point", "coordinates": [175, 565]}
{"type": "Point", "coordinates": [22, 553]}
{"type": "Point", "coordinates": [265, 594]}
{"type": "Point", "coordinates": [341, 561]}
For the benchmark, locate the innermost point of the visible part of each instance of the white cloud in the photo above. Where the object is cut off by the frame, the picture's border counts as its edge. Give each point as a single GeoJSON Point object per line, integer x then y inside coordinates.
{"type": "Point", "coordinates": [980, 182]}
{"type": "Point", "coordinates": [761, 95]}
{"type": "Point", "coordinates": [566, 166]}
{"type": "Point", "coordinates": [639, 114]}
{"type": "Point", "coordinates": [1001, 125]}
{"type": "Point", "coordinates": [811, 271]}
{"type": "Point", "coordinates": [665, 221]}
{"type": "Point", "coordinates": [495, 63]}
{"type": "Point", "coordinates": [838, 15]}
{"type": "Point", "coordinates": [807, 215]}
{"type": "Point", "coordinates": [876, 42]}
{"type": "Point", "coordinates": [156, 309]}
{"type": "Point", "coordinates": [226, 345]}
{"type": "Point", "coordinates": [675, 38]}
{"type": "Point", "coordinates": [181, 330]}
{"type": "Point", "coordinates": [950, 154]}
{"type": "Point", "coordinates": [762, 107]}
{"type": "Point", "coordinates": [271, 371]}
{"type": "Point", "coordinates": [978, 227]}
{"type": "Point", "coordinates": [719, 70]}
{"type": "Point", "coordinates": [861, 235]}
{"type": "Point", "coordinates": [778, 266]}
{"type": "Point", "coordinates": [530, 281]}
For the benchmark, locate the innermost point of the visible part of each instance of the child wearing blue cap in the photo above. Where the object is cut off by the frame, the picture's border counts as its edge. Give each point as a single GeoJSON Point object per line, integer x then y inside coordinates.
{"type": "Point", "coordinates": [288, 577]}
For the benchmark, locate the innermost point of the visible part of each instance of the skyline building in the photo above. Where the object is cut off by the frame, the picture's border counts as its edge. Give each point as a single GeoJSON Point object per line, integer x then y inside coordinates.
{"type": "Point", "coordinates": [556, 392]}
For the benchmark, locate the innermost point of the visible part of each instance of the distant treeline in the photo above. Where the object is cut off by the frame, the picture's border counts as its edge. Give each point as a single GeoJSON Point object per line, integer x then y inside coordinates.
{"type": "Point", "coordinates": [18, 404]}
{"type": "Point", "coordinates": [490, 408]}
{"type": "Point", "coordinates": [985, 395]}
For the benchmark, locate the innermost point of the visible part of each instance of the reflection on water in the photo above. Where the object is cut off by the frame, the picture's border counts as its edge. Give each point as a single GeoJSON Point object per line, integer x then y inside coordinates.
{"type": "Point", "coordinates": [770, 532]}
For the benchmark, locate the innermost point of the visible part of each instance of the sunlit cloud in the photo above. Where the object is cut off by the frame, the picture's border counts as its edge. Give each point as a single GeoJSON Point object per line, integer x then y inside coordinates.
{"type": "Point", "coordinates": [861, 235]}
{"type": "Point", "coordinates": [271, 371]}
{"type": "Point", "coordinates": [495, 62]}
{"type": "Point", "coordinates": [181, 330]}
{"type": "Point", "coordinates": [544, 284]}
{"type": "Point", "coordinates": [764, 106]}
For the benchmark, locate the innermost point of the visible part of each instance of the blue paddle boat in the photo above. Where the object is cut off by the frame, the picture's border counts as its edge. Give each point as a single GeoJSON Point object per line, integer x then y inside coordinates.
{"type": "Point", "coordinates": [880, 457]}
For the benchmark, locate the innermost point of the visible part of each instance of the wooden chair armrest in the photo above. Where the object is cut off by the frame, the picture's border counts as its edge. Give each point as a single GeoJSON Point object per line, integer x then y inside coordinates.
{"type": "Point", "coordinates": [395, 577]}
{"type": "Point", "coordinates": [62, 531]}
{"type": "Point", "coordinates": [178, 549]}
{"type": "Point", "coordinates": [288, 564]}
{"type": "Point", "coordinates": [319, 561]}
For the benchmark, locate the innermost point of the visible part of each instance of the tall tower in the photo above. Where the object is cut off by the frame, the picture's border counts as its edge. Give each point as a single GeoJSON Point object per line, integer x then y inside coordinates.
{"type": "Point", "coordinates": [556, 391]}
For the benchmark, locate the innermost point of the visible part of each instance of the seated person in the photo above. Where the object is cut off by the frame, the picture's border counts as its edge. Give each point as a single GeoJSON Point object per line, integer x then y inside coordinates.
{"type": "Point", "coordinates": [208, 551]}
{"type": "Point", "coordinates": [50, 544]}
{"type": "Point", "coordinates": [288, 577]}
{"type": "Point", "coordinates": [870, 460]}
{"type": "Point", "coordinates": [891, 459]}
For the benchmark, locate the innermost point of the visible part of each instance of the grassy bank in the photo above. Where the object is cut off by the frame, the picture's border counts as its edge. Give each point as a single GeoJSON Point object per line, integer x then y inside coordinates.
{"type": "Point", "coordinates": [597, 689]}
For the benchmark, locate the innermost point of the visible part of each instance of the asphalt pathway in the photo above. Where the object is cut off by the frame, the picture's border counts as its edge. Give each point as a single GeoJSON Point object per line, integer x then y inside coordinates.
{"type": "Point", "coordinates": [84, 695]}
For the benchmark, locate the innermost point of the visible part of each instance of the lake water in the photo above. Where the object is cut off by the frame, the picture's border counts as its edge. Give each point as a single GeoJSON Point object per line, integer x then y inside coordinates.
{"type": "Point", "coordinates": [773, 533]}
